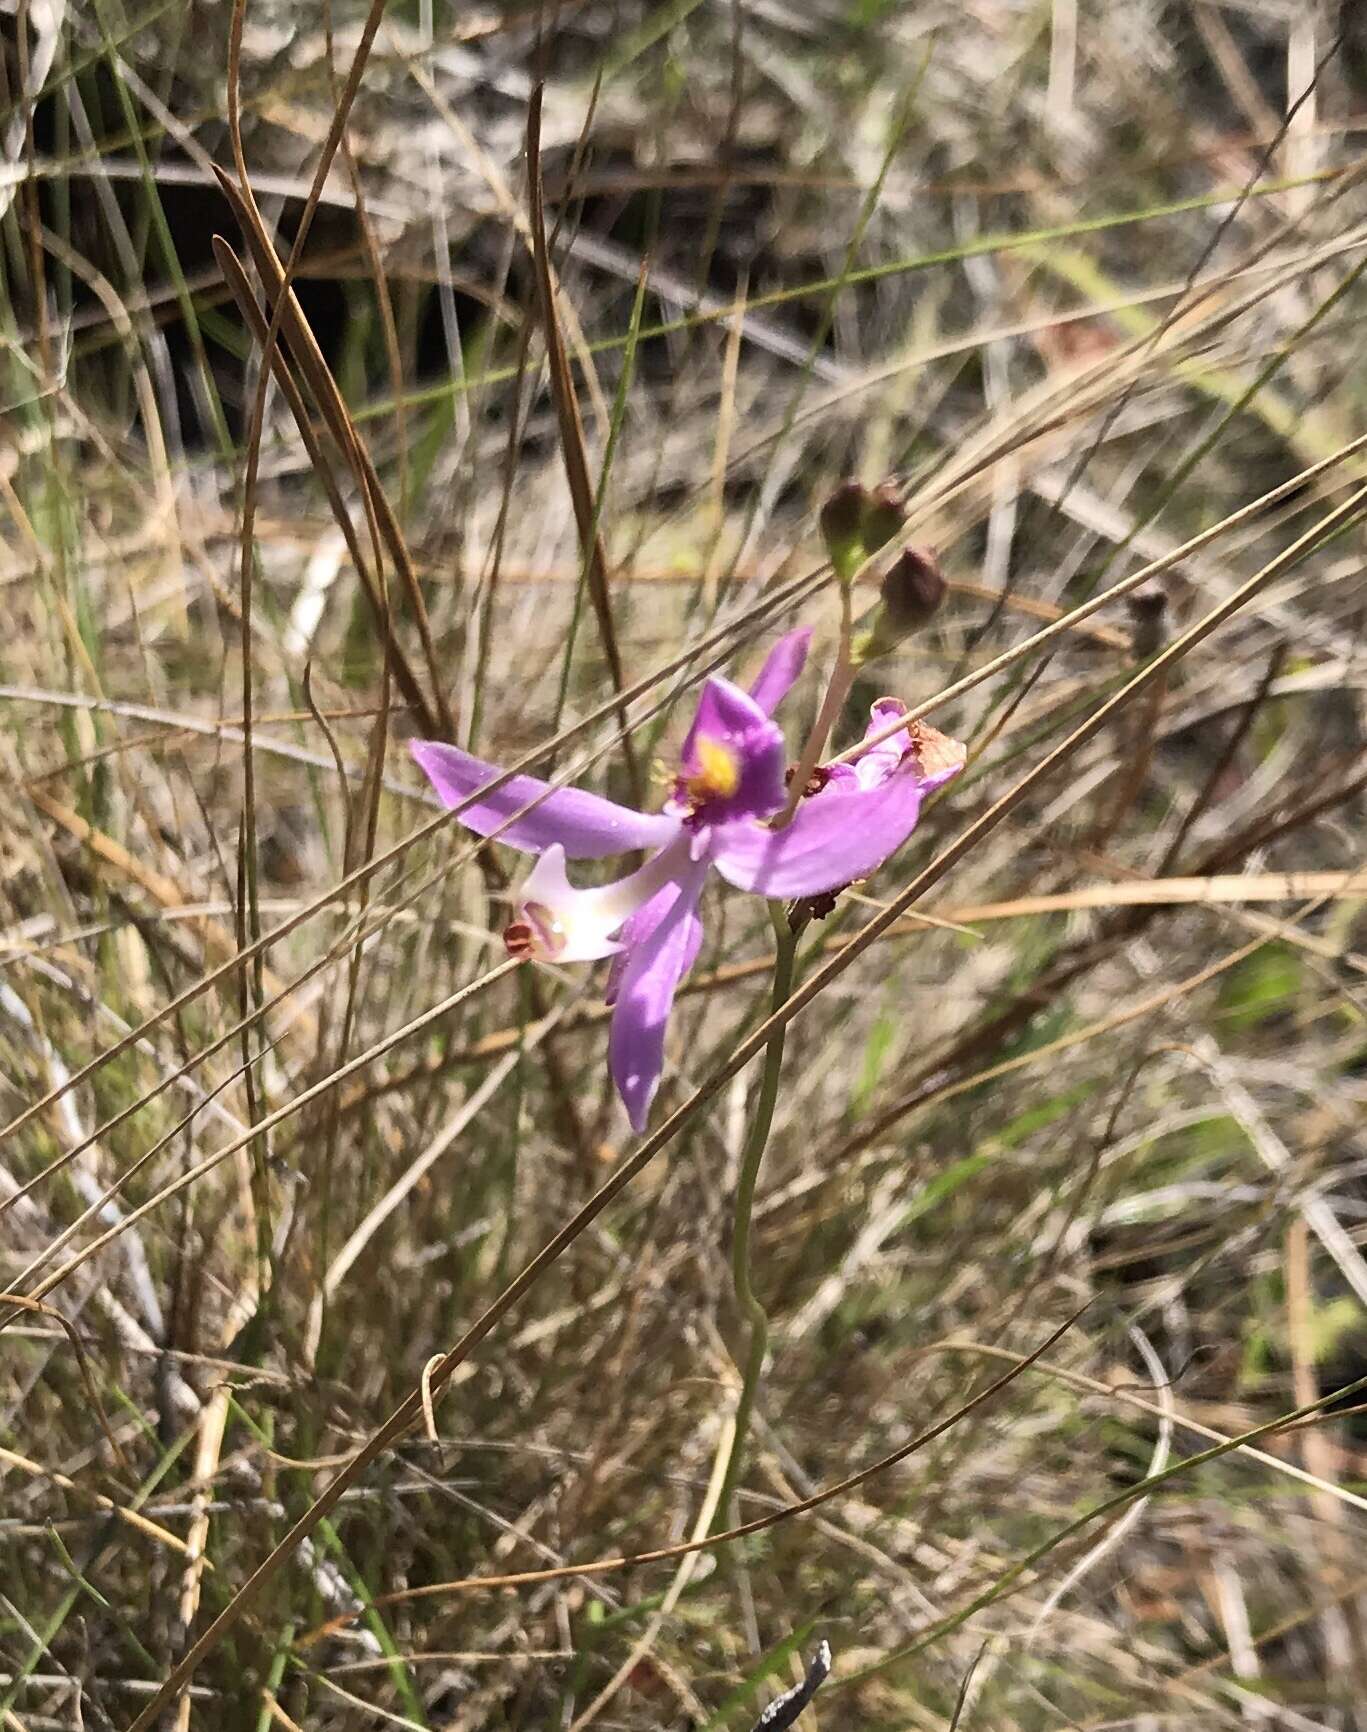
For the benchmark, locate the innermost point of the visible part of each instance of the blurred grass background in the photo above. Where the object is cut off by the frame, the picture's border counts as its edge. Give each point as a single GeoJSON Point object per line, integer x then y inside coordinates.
{"type": "Point", "coordinates": [1083, 278]}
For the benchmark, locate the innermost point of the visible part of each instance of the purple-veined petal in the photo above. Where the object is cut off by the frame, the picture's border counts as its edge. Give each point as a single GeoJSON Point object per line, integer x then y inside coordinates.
{"type": "Point", "coordinates": [781, 667]}
{"type": "Point", "coordinates": [585, 825]}
{"type": "Point", "coordinates": [733, 758]}
{"type": "Point", "coordinates": [663, 939]}
{"type": "Point", "coordinates": [841, 834]}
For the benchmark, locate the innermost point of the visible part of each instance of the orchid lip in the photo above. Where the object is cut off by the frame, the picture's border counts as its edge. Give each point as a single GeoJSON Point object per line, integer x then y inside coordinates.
{"type": "Point", "coordinates": [556, 922]}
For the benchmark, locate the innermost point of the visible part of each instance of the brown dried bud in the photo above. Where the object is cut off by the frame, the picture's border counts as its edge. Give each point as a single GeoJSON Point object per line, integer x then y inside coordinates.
{"type": "Point", "coordinates": [912, 590]}
{"type": "Point", "coordinates": [1148, 609]}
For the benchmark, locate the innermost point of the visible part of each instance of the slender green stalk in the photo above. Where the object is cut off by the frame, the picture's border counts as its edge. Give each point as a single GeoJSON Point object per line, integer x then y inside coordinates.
{"type": "Point", "coordinates": [265, 1719]}
{"type": "Point", "coordinates": [757, 1138]}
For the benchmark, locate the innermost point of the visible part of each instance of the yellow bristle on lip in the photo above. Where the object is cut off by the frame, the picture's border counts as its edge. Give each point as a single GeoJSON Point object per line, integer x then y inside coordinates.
{"type": "Point", "coordinates": [719, 775]}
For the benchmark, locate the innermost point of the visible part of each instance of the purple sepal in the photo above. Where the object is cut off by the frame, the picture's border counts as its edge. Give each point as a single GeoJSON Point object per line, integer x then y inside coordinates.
{"type": "Point", "coordinates": [586, 825]}
{"type": "Point", "coordinates": [782, 666]}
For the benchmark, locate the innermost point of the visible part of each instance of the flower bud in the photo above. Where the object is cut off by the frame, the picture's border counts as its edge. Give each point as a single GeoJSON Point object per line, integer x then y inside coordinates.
{"type": "Point", "coordinates": [911, 595]}
{"type": "Point", "coordinates": [913, 589]}
{"type": "Point", "coordinates": [842, 521]}
{"type": "Point", "coordinates": [884, 516]}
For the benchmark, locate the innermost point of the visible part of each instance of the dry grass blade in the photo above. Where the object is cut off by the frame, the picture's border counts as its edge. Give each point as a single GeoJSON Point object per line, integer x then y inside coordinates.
{"type": "Point", "coordinates": [235, 1146]}
{"type": "Point", "coordinates": [218, 941]}
{"type": "Point", "coordinates": [434, 709]}
{"type": "Point", "coordinates": [572, 445]}
{"type": "Point", "coordinates": [1014, 1574]}
{"type": "Point", "coordinates": [129, 1517]}
{"type": "Point", "coordinates": [245, 300]}
{"type": "Point", "coordinates": [82, 1361]}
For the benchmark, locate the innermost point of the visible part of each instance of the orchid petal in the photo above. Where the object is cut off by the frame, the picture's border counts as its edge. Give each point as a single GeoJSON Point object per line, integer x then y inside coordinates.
{"type": "Point", "coordinates": [841, 834]}
{"type": "Point", "coordinates": [666, 935]}
{"type": "Point", "coordinates": [637, 929]}
{"type": "Point", "coordinates": [573, 925]}
{"type": "Point", "coordinates": [724, 712]}
{"type": "Point", "coordinates": [585, 825]}
{"type": "Point", "coordinates": [873, 767]}
{"type": "Point", "coordinates": [732, 733]}
{"type": "Point", "coordinates": [781, 668]}
{"type": "Point", "coordinates": [930, 755]}
{"type": "Point", "coordinates": [567, 921]}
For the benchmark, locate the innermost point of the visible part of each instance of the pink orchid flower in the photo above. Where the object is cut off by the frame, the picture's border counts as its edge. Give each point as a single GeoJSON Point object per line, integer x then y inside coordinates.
{"type": "Point", "coordinates": [731, 779]}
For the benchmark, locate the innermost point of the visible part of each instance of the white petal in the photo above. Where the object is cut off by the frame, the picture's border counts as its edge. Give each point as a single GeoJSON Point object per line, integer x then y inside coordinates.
{"type": "Point", "coordinates": [580, 925]}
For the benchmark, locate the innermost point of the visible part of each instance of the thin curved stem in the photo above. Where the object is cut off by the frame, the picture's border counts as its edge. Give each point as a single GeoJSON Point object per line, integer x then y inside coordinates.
{"type": "Point", "coordinates": [757, 1138]}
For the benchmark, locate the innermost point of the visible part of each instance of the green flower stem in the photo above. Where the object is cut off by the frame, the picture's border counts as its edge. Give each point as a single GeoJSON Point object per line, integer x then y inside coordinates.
{"type": "Point", "coordinates": [753, 1313]}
